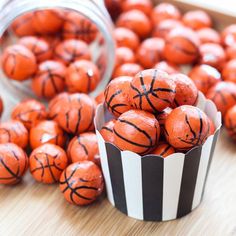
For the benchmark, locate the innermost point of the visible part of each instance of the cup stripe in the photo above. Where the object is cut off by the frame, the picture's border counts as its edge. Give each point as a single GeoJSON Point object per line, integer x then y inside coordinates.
{"type": "Point", "coordinates": [202, 171]}
{"type": "Point", "coordinates": [211, 155]}
{"type": "Point", "coordinates": [117, 178]}
{"type": "Point", "coordinates": [152, 182]}
{"type": "Point", "coordinates": [173, 169]}
{"type": "Point", "coordinates": [133, 184]}
{"type": "Point", "coordinates": [189, 177]}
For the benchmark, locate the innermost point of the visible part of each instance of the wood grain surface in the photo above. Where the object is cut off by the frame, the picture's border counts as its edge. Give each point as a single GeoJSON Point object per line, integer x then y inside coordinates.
{"type": "Point", "coordinates": [36, 209]}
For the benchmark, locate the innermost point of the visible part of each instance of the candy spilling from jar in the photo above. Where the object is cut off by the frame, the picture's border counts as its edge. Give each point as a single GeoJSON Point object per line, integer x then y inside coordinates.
{"type": "Point", "coordinates": [52, 52]}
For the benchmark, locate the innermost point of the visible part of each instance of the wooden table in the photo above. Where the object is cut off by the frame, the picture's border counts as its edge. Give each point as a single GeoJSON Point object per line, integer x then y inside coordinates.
{"type": "Point", "coordinates": [36, 209]}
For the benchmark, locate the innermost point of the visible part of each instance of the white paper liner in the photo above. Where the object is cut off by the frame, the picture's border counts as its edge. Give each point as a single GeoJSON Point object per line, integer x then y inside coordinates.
{"type": "Point", "coordinates": [155, 188]}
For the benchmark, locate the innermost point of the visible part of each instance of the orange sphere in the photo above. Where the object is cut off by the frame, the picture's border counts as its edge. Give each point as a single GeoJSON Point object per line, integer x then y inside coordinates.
{"type": "Point", "coordinates": [136, 21]}
{"type": "Point", "coordinates": [83, 148]}
{"type": "Point", "coordinates": [127, 69]}
{"type": "Point", "coordinates": [230, 122]}
{"type": "Point", "coordinates": [14, 132]}
{"type": "Point", "coordinates": [49, 79]}
{"type": "Point", "coordinates": [165, 11]}
{"type": "Point", "coordinates": [76, 114]}
{"type": "Point", "coordinates": [152, 90]}
{"type": "Point", "coordinates": [186, 91]}
{"type": "Point", "coordinates": [107, 131]}
{"type": "Point", "coordinates": [168, 67]}
{"type": "Point", "coordinates": [47, 163]}
{"type": "Point", "coordinates": [100, 98]}
{"type": "Point", "coordinates": [39, 47]}
{"type": "Point", "coordinates": [77, 26]}
{"type": "Point", "coordinates": [71, 50]}
{"type": "Point", "coordinates": [181, 46]}
{"type": "Point", "coordinates": [163, 149]}
{"type": "Point", "coordinates": [48, 21]}
{"type": "Point", "coordinates": [18, 62]}
{"type": "Point", "coordinates": [208, 35]}
{"type": "Point", "coordinates": [22, 25]}
{"type": "Point", "coordinates": [186, 127]}
{"type": "Point", "coordinates": [1, 106]}
{"type": "Point", "coordinates": [197, 19]}
{"type": "Point", "coordinates": [231, 52]}
{"type": "Point", "coordinates": [126, 38]}
{"type": "Point", "coordinates": [117, 95]}
{"type": "Point", "coordinates": [143, 5]}
{"type": "Point", "coordinates": [137, 131]}
{"type": "Point", "coordinates": [212, 54]}
{"type": "Point", "coordinates": [81, 183]}
{"type": "Point", "coordinates": [47, 131]}
{"type": "Point", "coordinates": [229, 71]}
{"type": "Point", "coordinates": [13, 163]}
{"type": "Point", "coordinates": [150, 52]}
{"type": "Point", "coordinates": [162, 29]}
{"type": "Point", "coordinates": [204, 77]}
{"type": "Point", "coordinates": [124, 55]}
{"type": "Point", "coordinates": [161, 117]}
{"type": "Point", "coordinates": [29, 112]}
{"type": "Point", "coordinates": [82, 76]}
{"type": "Point", "coordinates": [223, 94]}
{"type": "Point", "coordinates": [228, 36]}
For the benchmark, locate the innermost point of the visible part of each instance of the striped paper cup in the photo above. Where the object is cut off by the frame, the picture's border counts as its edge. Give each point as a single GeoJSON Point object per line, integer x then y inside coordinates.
{"type": "Point", "coordinates": [153, 188]}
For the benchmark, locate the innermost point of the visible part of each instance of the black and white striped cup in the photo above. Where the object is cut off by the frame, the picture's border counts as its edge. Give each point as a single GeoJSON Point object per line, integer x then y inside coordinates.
{"type": "Point", "coordinates": [153, 188]}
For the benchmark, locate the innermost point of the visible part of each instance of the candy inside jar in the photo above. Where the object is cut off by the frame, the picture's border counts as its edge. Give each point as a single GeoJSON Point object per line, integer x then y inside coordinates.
{"type": "Point", "coordinates": [41, 41]}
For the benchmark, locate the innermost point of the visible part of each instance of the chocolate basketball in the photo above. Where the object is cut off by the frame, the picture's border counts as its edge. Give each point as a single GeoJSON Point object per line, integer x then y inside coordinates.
{"type": "Point", "coordinates": [168, 67]}
{"type": "Point", "coordinates": [127, 69]}
{"type": "Point", "coordinates": [163, 149]}
{"type": "Point", "coordinates": [107, 131]}
{"type": "Point", "coordinates": [143, 5]}
{"type": "Point", "coordinates": [124, 55]}
{"type": "Point", "coordinates": [228, 36]}
{"type": "Point", "coordinates": [208, 35]}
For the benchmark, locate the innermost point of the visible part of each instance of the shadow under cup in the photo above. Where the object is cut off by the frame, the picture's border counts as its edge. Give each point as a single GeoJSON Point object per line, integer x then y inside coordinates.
{"type": "Point", "coordinates": [153, 188]}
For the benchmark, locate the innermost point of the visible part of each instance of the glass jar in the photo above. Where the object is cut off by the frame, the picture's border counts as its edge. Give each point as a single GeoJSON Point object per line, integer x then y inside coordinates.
{"type": "Point", "coordinates": [102, 49]}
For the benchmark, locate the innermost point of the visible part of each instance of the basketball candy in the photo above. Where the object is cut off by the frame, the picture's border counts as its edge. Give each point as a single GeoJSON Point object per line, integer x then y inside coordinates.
{"type": "Point", "coordinates": [136, 21]}
{"type": "Point", "coordinates": [152, 90]}
{"type": "Point", "coordinates": [82, 76]}
{"type": "Point", "coordinates": [18, 62]}
{"type": "Point", "coordinates": [137, 131]}
{"type": "Point", "coordinates": [197, 19]}
{"type": "Point", "coordinates": [107, 131]}
{"type": "Point", "coordinates": [168, 67]}
{"type": "Point", "coordinates": [163, 149]}
{"type": "Point", "coordinates": [47, 162]}
{"type": "Point", "coordinates": [117, 95]}
{"type": "Point", "coordinates": [71, 50]}
{"type": "Point", "coordinates": [47, 21]}
{"type": "Point", "coordinates": [181, 46]}
{"type": "Point", "coordinates": [76, 26]}
{"type": "Point", "coordinates": [208, 35]}
{"type": "Point", "coordinates": [165, 11]}
{"type": "Point", "coordinates": [228, 36]}
{"type": "Point", "coordinates": [38, 46]}
{"type": "Point", "coordinates": [76, 114]}
{"type": "Point", "coordinates": [186, 127]}
{"type": "Point", "coordinates": [150, 52]}
{"type": "Point", "coordinates": [186, 91]}
{"type": "Point", "coordinates": [127, 69]}
{"type": "Point", "coordinates": [49, 79]}
{"type": "Point", "coordinates": [14, 132]}
{"type": "Point", "coordinates": [223, 94]}
{"type": "Point", "coordinates": [124, 55]}
{"type": "Point", "coordinates": [22, 25]}
{"type": "Point", "coordinates": [204, 77]}
{"type": "Point", "coordinates": [47, 131]}
{"type": "Point", "coordinates": [81, 183]}
{"type": "Point", "coordinates": [29, 112]}
{"type": "Point", "coordinates": [83, 148]}
{"type": "Point", "coordinates": [126, 38]}
{"type": "Point", "coordinates": [143, 5]}
{"type": "Point", "coordinates": [229, 71]}
{"type": "Point", "coordinates": [212, 54]}
{"type": "Point", "coordinates": [230, 122]}
{"type": "Point", "coordinates": [13, 163]}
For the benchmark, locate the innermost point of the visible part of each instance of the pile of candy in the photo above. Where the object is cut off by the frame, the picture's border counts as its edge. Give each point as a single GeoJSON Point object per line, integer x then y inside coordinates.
{"type": "Point", "coordinates": [52, 52]}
